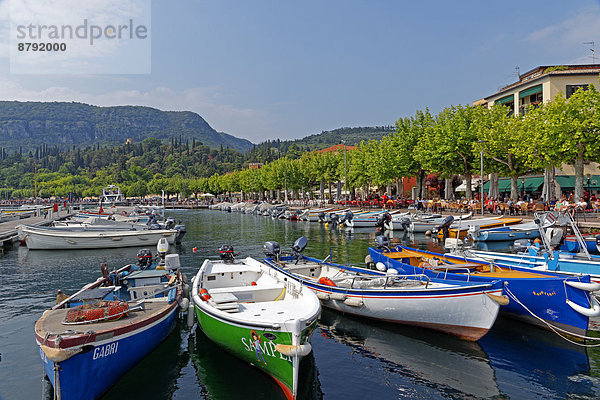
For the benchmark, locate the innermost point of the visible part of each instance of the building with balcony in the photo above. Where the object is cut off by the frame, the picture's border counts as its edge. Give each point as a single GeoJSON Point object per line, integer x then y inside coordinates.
{"type": "Point", "coordinates": [541, 85]}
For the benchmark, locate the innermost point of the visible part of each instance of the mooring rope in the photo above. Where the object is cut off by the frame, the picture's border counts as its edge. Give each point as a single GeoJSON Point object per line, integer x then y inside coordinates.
{"type": "Point", "coordinates": [555, 329]}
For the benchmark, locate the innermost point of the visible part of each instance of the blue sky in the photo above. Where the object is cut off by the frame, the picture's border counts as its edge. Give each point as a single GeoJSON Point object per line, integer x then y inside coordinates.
{"type": "Point", "coordinates": [286, 69]}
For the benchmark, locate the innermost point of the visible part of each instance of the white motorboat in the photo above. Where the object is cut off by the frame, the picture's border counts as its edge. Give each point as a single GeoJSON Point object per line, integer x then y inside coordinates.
{"type": "Point", "coordinates": [49, 238]}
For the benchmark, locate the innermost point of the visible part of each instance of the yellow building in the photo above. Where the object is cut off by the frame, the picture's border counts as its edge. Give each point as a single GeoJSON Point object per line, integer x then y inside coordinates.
{"type": "Point", "coordinates": [542, 84]}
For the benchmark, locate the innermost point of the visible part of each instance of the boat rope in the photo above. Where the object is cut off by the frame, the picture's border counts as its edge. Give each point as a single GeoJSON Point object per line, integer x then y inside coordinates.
{"type": "Point", "coordinates": [559, 331]}
{"type": "Point", "coordinates": [43, 380]}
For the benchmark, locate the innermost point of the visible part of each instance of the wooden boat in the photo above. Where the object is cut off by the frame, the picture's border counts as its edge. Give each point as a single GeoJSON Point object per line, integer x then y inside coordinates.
{"type": "Point", "coordinates": [91, 338]}
{"type": "Point", "coordinates": [464, 309]}
{"type": "Point", "coordinates": [254, 313]}
{"type": "Point", "coordinates": [48, 238]}
{"type": "Point", "coordinates": [527, 230]}
{"type": "Point", "coordinates": [545, 299]}
{"type": "Point", "coordinates": [422, 225]}
{"type": "Point", "coordinates": [462, 229]}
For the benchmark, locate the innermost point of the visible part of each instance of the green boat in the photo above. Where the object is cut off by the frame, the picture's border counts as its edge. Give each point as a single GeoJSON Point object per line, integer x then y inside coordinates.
{"type": "Point", "coordinates": [255, 313]}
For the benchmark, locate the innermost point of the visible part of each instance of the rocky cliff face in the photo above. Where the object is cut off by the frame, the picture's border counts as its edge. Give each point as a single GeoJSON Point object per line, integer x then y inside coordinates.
{"type": "Point", "coordinates": [31, 124]}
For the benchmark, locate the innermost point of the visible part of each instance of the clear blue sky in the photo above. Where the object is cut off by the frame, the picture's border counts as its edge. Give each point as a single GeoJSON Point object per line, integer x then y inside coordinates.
{"type": "Point", "coordinates": [286, 69]}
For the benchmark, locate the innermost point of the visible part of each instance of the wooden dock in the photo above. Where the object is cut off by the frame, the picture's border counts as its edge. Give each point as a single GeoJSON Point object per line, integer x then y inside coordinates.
{"type": "Point", "coordinates": [8, 229]}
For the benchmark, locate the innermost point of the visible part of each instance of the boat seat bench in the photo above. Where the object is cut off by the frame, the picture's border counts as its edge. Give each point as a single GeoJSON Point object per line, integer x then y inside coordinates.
{"type": "Point", "coordinates": [250, 293]}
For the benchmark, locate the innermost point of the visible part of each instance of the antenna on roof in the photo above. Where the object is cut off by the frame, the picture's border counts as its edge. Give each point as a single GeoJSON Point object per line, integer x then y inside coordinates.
{"type": "Point", "coordinates": [593, 50]}
{"type": "Point", "coordinates": [518, 71]}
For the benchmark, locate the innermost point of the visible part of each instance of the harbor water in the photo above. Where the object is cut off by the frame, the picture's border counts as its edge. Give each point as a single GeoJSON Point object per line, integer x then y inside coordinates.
{"type": "Point", "coordinates": [352, 358]}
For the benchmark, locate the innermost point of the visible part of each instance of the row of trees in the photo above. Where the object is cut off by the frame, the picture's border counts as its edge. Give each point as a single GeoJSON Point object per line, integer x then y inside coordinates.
{"type": "Point", "coordinates": [563, 131]}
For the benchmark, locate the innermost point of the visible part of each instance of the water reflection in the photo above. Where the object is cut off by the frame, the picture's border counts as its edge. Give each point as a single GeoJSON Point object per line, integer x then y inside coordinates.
{"type": "Point", "coordinates": [450, 366]}
{"type": "Point", "coordinates": [223, 376]}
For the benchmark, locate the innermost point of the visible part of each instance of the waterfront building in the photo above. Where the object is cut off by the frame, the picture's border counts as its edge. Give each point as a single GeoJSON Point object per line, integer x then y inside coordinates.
{"type": "Point", "coordinates": [541, 85]}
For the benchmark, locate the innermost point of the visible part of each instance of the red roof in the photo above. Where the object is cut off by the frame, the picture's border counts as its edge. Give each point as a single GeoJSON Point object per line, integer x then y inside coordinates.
{"type": "Point", "coordinates": [336, 148]}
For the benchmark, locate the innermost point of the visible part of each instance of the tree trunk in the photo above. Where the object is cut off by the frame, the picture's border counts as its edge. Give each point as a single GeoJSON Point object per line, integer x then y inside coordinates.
{"type": "Point", "coordinates": [514, 189]}
{"type": "Point", "coordinates": [448, 194]}
{"type": "Point", "coordinates": [468, 191]}
{"type": "Point", "coordinates": [578, 179]}
{"type": "Point", "coordinates": [388, 190]}
{"type": "Point", "coordinates": [329, 186]}
{"type": "Point", "coordinates": [494, 185]}
{"type": "Point", "coordinates": [339, 190]}
{"type": "Point", "coordinates": [322, 188]}
{"type": "Point", "coordinates": [399, 188]}
{"type": "Point", "coordinates": [549, 188]}
{"type": "Point", "coordinates": [418, 184]}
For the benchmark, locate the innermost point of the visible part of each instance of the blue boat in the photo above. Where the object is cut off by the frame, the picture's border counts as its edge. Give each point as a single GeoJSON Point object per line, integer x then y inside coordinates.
{"type": "Point", "coordinates": [90, 339]}
{"type": "Point", "coordinates": [527, 230]}
{"type": "Point", "coordinates": [551, 301]}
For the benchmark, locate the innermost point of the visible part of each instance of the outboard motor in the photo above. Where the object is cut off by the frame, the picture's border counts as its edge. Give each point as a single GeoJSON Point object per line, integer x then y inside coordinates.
{"type": "Point", "coordinates": [445, 226]}
{"type": "Point", "coordinates": [347, 217]}
{"type": "Point", "coordinates": [151, 220]}
{"type": "Point", "coordinates": [298, 248]}
{"type": "Point", "coordinates": [405, 223]}
{"type": "Point", "coordinates": [144, 258]}
{"type": "Point", "coordinates": [226, 253]}
{"type": "Point", "coordinates": [334, 219]}
{"type": "Point", "coordinates": [180, 233]}
{"type": "Point", "coordinates": [598, 241]}
{"type": "Point", "coordinates": [382, 242]}
{"type": "Point", "coordinates": [170, 223]}
{"type": "Point", "coordinates": [382, 220]}
{"type": "Point", "coordinates": [321, 216]}
{"type": "Point", "coordinates": [162, 247]}
{"type": "Point", "coordinates": [272, 250]}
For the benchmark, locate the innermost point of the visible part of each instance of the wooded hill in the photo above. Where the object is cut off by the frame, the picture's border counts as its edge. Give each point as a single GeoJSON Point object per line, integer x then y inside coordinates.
{"type": "Point", "coordinates": [27, 125]}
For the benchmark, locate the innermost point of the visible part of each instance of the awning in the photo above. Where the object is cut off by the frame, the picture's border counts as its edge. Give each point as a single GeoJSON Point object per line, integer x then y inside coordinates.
{"type": "Point", "coordinates": [503, 185]}
{"type": "Point", "coordinates": [505, 100]}
{"type": "Point", "coordinates": [531, 184]}
{"type": "Point", "coordinates": [567, 182]}
{"type": "Point", "coordinates": [530, 91]}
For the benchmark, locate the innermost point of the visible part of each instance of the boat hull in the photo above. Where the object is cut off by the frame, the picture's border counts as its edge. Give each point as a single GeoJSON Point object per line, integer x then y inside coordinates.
{"type": "Point", "coordinates": [466, 311]}
{"type": "Point", "coordinates": [545, 296]}
{"type": "Point", "coordinates": [41, 240]}
{"type": "Point", "coordinates": [89, 374]}
{"type": "Point", "coordinates": [237, 339]}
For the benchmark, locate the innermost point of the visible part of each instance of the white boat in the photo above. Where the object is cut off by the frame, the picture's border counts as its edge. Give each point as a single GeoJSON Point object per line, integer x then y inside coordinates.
{"type": "Point", "coordinates": [111, 195]}
{"type": "Point", "coordinates": [257, 314]}
{"type": "Point", "coordinates": [429, 224]}
{"type": "Point", "coordinates": [48, 238]}
{"type": "Point", "coordinates": [464, 309]}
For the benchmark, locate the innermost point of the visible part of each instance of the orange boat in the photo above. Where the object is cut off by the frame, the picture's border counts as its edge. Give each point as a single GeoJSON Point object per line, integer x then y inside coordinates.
{"type": "Point", "coordinates": [483, 223]}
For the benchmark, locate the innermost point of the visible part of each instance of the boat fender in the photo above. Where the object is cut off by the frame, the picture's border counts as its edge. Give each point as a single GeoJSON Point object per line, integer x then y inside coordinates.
{"type": "Point", "coordinates": [593, 311]}
{"type": "Point", "coordinates": [381, 267]}
{"type": "Point", "coordinates": [354, 302]}
{"type": "Point", "coordinates": [502, 300]}
{"type": "Point", "coordinates": [184, 302]}
{"type": "Point", "coordinates": [186, 290]}
{"type": "Point", "coordinates": [392, 271]}
{"type": "Point", "coordinates": [338, 296]}
{"type": "Point", "coordinates": [204, 294]}
{"type": "Point", "coordinates": [588, 287]}
{"type": "Point", "coordinates": [326, 281]}
{"type": "Point", "coordinates": [322, 296]}
{"type": "Point", "coordinates": [293, 351]}
{"type": "Point", "coordinates": [190, 315]}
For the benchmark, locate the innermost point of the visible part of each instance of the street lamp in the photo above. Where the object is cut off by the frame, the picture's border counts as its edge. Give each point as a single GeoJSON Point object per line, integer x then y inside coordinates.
{"type": "Point", "coordinates": [481, 142]}
{"type": "Point", "coordinates": [588, 176]}
{"type": "Point", "coordinates": [345, 172]}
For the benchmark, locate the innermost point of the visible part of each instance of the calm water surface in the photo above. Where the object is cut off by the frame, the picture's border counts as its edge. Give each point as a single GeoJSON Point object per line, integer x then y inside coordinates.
{"type": "Point", "coordinates": [352, 359]}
